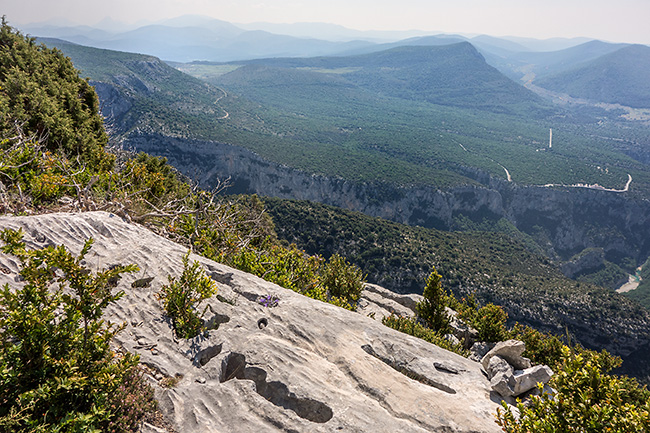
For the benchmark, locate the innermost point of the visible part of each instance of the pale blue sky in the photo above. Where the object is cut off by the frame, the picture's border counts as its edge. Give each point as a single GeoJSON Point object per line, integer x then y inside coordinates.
{"type": "Point", "coordinates": [612, 20]}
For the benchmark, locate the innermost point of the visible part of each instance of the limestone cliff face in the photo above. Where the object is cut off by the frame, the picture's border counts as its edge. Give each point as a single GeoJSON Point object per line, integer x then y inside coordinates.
{"type": "Point", "coordinates": [301, 366]}
{"type": "Point", "coordinates": [569, 219]}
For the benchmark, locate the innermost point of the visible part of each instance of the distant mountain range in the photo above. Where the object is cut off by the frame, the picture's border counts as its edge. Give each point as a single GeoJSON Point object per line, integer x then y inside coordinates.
{"type": "Point", "coordinates": [191, 38]}
{"type": "Point", "coordinates": [590, 69]}
{"type": "Point", "coordinates": [519, 64]}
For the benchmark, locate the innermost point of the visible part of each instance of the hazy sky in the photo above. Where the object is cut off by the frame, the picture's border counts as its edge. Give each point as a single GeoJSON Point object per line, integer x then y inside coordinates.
{"type": "Point", "coordinates": [612, 20]}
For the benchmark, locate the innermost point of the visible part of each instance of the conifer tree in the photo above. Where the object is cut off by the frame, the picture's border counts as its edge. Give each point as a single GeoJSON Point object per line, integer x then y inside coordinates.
{"type": "Point", "coordinates": [432, 308]}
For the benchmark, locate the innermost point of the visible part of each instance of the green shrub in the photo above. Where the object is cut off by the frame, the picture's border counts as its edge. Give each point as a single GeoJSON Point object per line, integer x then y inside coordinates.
{"type": "Point", "coordinates": [57, 371]}
{"type": "Point", "coordinates": [541, 348]}
{"type": "Point", "coordinates": [343, 282]}
{"type": "Point", "coordinates": [490, 323]}
{"type": "Point", "coordinates": [410, 326]}
{"type": "Point", "coordinates": [41, 90]}
{"type": "Point", "coordinates": [181, 296]}
{"type": "Point", "coordinates": [432, 308]}
{"type": "Point", "coordinates": [288, 267]}
{"type": "Point", "coordinates": [587, 400]}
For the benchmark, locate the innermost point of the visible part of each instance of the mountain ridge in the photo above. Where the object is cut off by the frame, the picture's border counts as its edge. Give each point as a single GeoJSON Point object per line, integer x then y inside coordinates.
{"type": "Point", "coordinates": [619, 77]}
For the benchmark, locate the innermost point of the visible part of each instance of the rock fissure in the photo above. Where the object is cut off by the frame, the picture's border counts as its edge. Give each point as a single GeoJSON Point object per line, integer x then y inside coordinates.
{"type": "Point", "coordinates": [275, 392]}
{"type": "Point", "coordinates": [207, 354]}
{"type": "Point", "coordinates": [403, 368]}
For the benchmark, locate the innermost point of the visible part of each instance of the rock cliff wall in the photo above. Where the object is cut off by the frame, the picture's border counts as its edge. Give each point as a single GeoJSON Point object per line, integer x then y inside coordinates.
{"type": "Point", "coordinates": [568, 220]}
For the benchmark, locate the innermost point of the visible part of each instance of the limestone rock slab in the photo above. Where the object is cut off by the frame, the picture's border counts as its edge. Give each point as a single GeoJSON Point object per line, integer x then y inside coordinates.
{"type": "Point", "coordinates": [302, 366]}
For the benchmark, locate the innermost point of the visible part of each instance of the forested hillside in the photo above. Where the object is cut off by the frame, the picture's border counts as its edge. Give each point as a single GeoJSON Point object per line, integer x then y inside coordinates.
{"type": "Point", "coordinates": [620, 77]}
{"type": "Point", "coordinates": [453, 74]}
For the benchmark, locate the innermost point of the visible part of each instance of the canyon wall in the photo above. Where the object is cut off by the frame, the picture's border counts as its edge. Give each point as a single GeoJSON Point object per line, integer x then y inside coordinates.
{"type": "Point", "coordinates": [568, 220]}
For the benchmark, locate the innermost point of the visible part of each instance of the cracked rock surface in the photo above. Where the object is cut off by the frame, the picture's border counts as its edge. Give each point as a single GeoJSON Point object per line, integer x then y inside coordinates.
{"type": "Point", "coordinates": [301, 366]}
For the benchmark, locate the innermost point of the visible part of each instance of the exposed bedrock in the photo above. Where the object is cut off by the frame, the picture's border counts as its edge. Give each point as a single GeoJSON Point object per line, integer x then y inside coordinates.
{"type": "Point", "coordinates": [312, 367]}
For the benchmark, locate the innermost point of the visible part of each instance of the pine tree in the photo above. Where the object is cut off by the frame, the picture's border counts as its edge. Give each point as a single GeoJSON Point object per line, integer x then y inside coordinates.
{"type": "Point", "coordinates": [432, 308]}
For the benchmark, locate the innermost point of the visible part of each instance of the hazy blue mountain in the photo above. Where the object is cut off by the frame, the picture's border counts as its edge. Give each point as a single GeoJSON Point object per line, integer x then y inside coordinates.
{"type": "Point", "coordinates": [552, 44]}
{"type": "Point", "coordinates": [197, 38]}
{"type": "Point", "coordinates": [420, 41]}
{"type": "Point", "coordinates": [76, 34]}
{"type": "Point", "coordinates": [516, 65]}
{"type": "Point", "coordinates": [621, 77]}
{"type": "Point", "coordinates": [203, 22]}
{"type": "Point", "coordinates": [497, 45]}
{"type": "Point", "coordinates": [332, 32]}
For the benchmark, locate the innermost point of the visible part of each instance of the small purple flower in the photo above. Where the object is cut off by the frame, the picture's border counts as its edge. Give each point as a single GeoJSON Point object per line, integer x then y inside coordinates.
{"type": "Point", "coordinates": [268, 301]}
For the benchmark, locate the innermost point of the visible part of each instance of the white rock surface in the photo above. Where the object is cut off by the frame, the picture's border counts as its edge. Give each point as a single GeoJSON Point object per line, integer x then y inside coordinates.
{"type": "Point", "coordinates": [503, 365]}
{"type": "Point", "coordinates": [303, 366]}
{"type": "Point", "coordinates": [378, 302]}
{"type": "Point", "coordinates": [511, 351]}
{"type": "Point", "coordinates": [527, 379]}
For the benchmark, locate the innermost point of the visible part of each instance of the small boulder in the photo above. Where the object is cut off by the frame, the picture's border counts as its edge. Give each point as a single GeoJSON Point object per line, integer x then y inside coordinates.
{"type": "Point", "coordinates": [499, 365]}
{"type": "Point", "coordinates": [501, 376]}
{"type": "Point", "coordinates": [511, 351]}
{"type": "Point", "coordinates": [527, 379]}
{"type": "Point", "coordinates": [509, 382]}
{"type": "Point", "coordinates": [479, 350]}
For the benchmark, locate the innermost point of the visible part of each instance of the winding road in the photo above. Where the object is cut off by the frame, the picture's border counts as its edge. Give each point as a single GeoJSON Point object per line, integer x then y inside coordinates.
{"type": "Point", "coordinates": [595, 186]}
{"type": "Point", "coordinates": [225, 116]}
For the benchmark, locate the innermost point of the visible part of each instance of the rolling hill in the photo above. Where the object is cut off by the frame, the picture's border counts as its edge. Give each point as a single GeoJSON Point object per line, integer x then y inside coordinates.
{"type": "Point", "coordinates": [620, 77]}
{"type": "Point", "coordinates": [534, 65]}
{"type": "Point", "coordinates": [453, 74]}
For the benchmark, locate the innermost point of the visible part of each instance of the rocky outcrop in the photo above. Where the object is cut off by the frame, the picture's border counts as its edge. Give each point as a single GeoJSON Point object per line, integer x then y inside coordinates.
{"type": "Point", "coordinates": [510, 374]}
{"type": "Point", "coordinates": [588, 260]}
{"type": "Point", "coordinates": [511, 351]}
{"type": "Point", "coordinates": [378, 302]}
{"type": "Point", "coordinates": [301, 366]}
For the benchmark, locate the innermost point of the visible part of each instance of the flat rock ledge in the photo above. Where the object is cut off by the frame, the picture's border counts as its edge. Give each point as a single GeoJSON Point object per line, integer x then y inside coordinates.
{"type": "Point", "coordinates": [301, 366]}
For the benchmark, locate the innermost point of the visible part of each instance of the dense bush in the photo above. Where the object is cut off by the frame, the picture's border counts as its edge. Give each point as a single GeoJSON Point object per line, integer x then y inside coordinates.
{"type": "Point", "coordinates": [41, 91]}
{"type": "Point", "coordinates": [343, 282]}
{"type": "Point", "coordinates": [183, 294]}
{"type": "Point", "coordinates": [541, 348]}
{"type": "Point", "coordinates": [409, 325]}
{"type": "Point", "coordinates": [586, 400]}
{"type": "Point", "coordinates": [57, 371]}
{"type": "Point", "coordinates": [491, 323]}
